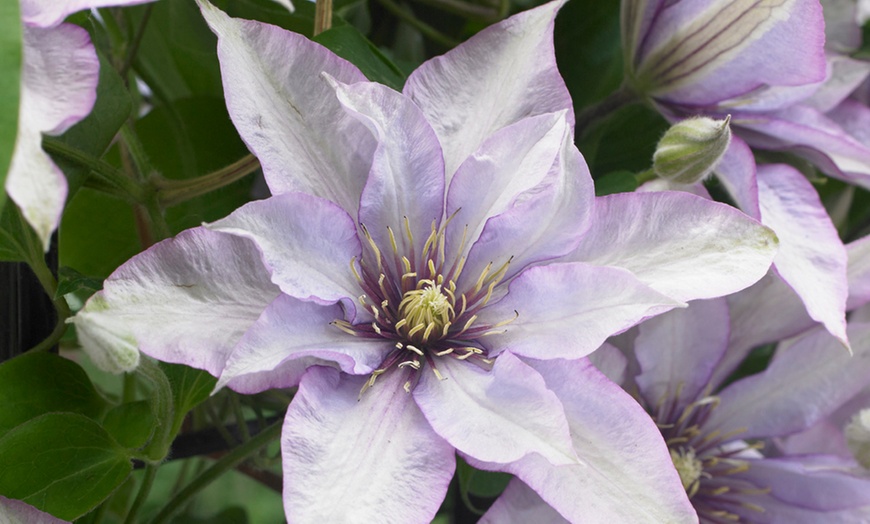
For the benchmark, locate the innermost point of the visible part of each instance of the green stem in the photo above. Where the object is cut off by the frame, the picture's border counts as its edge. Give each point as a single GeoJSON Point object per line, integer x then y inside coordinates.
{"type": "Point", "coordinates": [137, 40]}
{"type": "Point", "coordinates": [103, 170]}
{"type": "Point", "coordinates": [645, 176]}
{"type": "Point", "coordinates": [142, 496]}
{"type": "Point", "coordinates": [590, 117]}
{"type": "Point", "coordinates": [161, 407]}
{"type": "Point", "coordinates": [226, 463]}
{"type": "Point", "coordinates": [427, 30]}
{"type": "Point", "coordinates": [173, 192]}
{"type": "Point", "coordinates": [240, 417]}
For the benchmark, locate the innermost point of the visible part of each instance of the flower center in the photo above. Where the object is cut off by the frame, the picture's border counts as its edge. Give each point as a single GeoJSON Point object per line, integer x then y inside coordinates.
{"type": "Point", "coordinates": [416, 305]}
{"type": "Point", "coordinates": [858, 437]}
{"type": "Point", "coordinates": [689, 467]}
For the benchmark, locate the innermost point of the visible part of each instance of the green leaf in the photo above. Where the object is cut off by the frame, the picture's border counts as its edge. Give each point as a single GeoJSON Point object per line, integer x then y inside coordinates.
{"type": "Point", "coordinates": [37, 383]}
{"type": "Point", "coordinates": [190, 387]}
{"type": "Point", "coordinates": [71, 281]}
{"type": "Point", "coordinates": [485, 484]}
{"type": "Point", "coordinates": [624, 142]}
{"type": "Point", "coordinates": [348, 43]}
{"type": "Point", "coordinates": [231, 515]}
{"type": "Point", "coordinates": [130, 424]}
{"type": "Point", "coordinates": [10, 86]}
{"type": "Point", "coordinates": [61, 463]}
{"type": "Point", "coordinates": [95, 133]}
{"type": "Point", "coordinates": [615, 182]}
{"type": "Point", "coordinates": [18, 241]}
{"type": "Point", "coordinates": [588, 49]}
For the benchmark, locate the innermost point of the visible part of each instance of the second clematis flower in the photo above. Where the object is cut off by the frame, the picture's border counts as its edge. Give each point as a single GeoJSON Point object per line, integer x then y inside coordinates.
{"type": "Point", "coordinates": [423, 252]}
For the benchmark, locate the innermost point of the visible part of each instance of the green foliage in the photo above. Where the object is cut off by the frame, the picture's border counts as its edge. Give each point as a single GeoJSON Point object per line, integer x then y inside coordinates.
{"type": "Point", "coordinates": [62, 463]}
{"type": "Point", "coordinates": [615, 182]}
{"type": "Point", "coordinates": [10, 86]}
{"type": "Point", "coordinates": [348, 43]}
{"type": "Point", "coordinates": [625, 141]}
{"type": "Point", "coordinates": [71, 281]}
{"type": "Point", "coordinates": [130, 424]}
{"type": "Point", "coordinates": [18, 241]}
{"type": "Point", "coordinates": [190, 387]}
{"type": "Point", "coordinates": [37, 383]}
{"type": "Point", "coordinates": [485, 484]}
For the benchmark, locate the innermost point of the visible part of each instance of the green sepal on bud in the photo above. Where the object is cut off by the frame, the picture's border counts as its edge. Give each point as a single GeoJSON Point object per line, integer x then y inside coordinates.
{"type": "Point", "coordinates": [691, 149]}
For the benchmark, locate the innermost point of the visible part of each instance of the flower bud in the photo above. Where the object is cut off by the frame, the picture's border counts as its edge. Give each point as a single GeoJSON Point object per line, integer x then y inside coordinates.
{"type": "Point", "coordinates": [691, 149]}
{"type": "Point", "coordinates": [858, 437]}
{"type": "Point", "coordinates": [106, 341]}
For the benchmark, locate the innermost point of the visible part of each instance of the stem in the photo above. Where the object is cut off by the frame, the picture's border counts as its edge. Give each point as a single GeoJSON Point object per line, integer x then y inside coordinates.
{"type": "Point", "coordinates": [322, 16]}
{"type": "Point", "coordinates": [427, 30]}
{"type": "Point", "coordinates": [137, 40]}
{"type": "Point", "coordinates": [103, 170]}
{"type": "Point", "coordinates": [241, 423]}
{"type": "Point", "coordinates": [466, 10]}
{"type": "Point", "coordinates": [645, 176]}
{"type": "Point", "coordinates": [226, 463]}
{"type": "Point", "coordinates": [592, 115]}
{"type": "Point", "coordinates": [162, 408]}
{"type": "Point", "coordinates": [144, 490]}
{"type": "Point", "coordinates": [173, 192]}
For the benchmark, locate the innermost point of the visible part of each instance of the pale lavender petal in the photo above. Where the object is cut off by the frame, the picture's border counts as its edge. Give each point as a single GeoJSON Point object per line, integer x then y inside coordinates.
{"type": "Point", "coordinates": [520, 505]}
{"type": "Point", "coordinates": [681, 245]}
{"type": "Point", "coordinates": [636, 17]}
{"type": "Point", "coordinates": [823, 437]}
{"type": "Point", "coordinates": [812, 135]}
{"type": "Point", "coordinates": [16, 512]}
{"type": "Point", "coordinates": [188, 299]}
{"type": "Point", "coordinates": [693, 46]}
{"type": "Point", "coordinates": [407, 174]}
{"type": "Point", "coordinates": [611, 361]}
{"type": "Point", "coordinates": [360, 458]}
{"type": "Point", "coordinates": [495, 416]}
{"type": "Point", "coordinates": [307, 244]}
{"type": "Point", "coordinates": [291, 336]}
{"type": "Point", "coordinates": [811, 257]}
{"type": "Point", "coordinates": [287, 113]}
{"type": "Point", "coordinates": [58, 88]}
{"type": "Point", "coordinates": [524, 196]}
{"type": "Point", "coordinates": [859, 273]}
{"type": "Point", "coordinates": [845, 76]}
{"type": "Point", "coordinates": [678, 351]}
{"type": "Point", "coordinates": [854, 118]}
{"type": "Point", "coordinates": [842, 32]}
{"type": "Point", "coordinates": [626, 473]}
{"type": "Point", "coordinates": [805, 383]}
{"type": "Point", "coordinates": [568, 310]}
{"type": "Point", "coordinates": [736, 171]}
{"type": "Point", "coordinates": [503, 74]}
{"type": "Point", "coordinates": [49, 13]}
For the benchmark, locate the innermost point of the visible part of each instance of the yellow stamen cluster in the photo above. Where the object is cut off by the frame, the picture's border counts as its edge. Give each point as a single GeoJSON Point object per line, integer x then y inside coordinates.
{"type": "Point", "coordinates": [689, 467]}
{"type": "Point", "coordinates": [425, 310]}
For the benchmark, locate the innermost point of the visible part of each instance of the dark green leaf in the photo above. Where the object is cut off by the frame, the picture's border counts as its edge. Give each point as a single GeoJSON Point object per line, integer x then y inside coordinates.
{"type": "Point", "coordinates": [61, 463]}
{"type": "Point", "coordinates": [94, 134]}
{"type": "Point", "coordinates": [615, 182]}
{"type": "Point", "coordinates": [588, 49]}
{"type": "Point", "coordinates": [484, 484]}
{"type": "Point", "coordinates": [71, 281]}
{"type": "Point", "coordinates": [348, 43]}
{"type": "Point", "coordinates": [231, 515]}
{"type": "Point", "coordinates": [10, 85]}
{"type": "Point", "coordinates": [189, 388]}
{"type": "Point", "coordinates": [624, 142]}
{"type": "Point", "coordinates": [130, 424]}
{"type": "Point", "coordinates": [18, 241]}
{"type": "Point", "coordinates": [37, 383]}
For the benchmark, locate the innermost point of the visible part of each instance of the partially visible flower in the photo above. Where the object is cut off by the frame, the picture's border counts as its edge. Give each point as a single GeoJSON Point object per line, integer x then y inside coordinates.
{"type": "Point", "coordinates": [59, 78]}
{"type": "Point", "coordinates": [718, 438]}
{"type": "Point", "coordinates": [762, 63]}
{"type": "Point", "coordinates": [425, 256]}
{"type": "Point", "coordinates": [16, 512]}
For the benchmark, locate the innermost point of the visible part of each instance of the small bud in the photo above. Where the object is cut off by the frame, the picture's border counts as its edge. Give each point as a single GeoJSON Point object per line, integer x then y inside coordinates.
{"type": "Point", "coordinates": [858, 437]}
{"type": "Point", "coordinates": [106, 341]}
{"type": "Point", "coordinates": [691, 149]}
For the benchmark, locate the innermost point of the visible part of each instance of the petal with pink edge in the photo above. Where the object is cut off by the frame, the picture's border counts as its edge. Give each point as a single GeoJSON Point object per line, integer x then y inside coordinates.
{"type": "Point", "coordinates": [811, 257]}
{"type": "Point", "coordinates": [16, 512]}
{"type": "Point", "coordinates": [202, 289]}
{"type": "Point", "coordinates": [503, 74]}
{"type": "Point", "coordinates": [495, 416]}
{"type": "Point", "coordinates": [568, 310]}
{"type": "Point", "coordinates": [307, 244]}
{"type": "Point", "coordinates": [287, 113]}
{"type": "Point", "coordinates": [520, 505]}
{"type": "Point", "coordinates": [58, 88]}
{"type": "Point", "coordinates": [627, 474]}
{"type": "Point", "coordinates": [361, 458]}
{"type": "Point", "coordinates": [49, 13]}
{"type": "Point", "coordinates": [681, 245]}
{"type": "Point", "coordinates": [291, 336]}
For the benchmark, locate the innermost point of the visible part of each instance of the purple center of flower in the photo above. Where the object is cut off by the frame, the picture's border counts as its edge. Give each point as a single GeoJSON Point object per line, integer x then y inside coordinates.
{"type": "Point", "coordinates": [413, 296]}
{"type": "Point", "coordinates": [708, 461]}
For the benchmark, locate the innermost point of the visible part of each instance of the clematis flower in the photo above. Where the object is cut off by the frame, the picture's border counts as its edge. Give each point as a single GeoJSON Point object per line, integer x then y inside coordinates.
{"type": "Point", "coordinates": [424, 255]}
{"type": "Point", "coordinates": [717, 436]}
{"type": "Point", "coordinates": [763, 65]}
{"type": "Point", "coordinates": [60, 71]}
{"type": "Point", "coordinates": [16, 512]}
